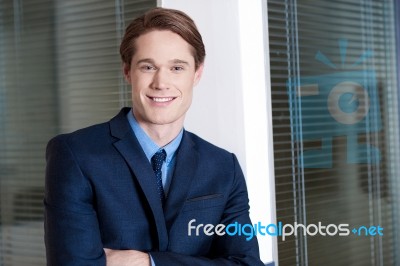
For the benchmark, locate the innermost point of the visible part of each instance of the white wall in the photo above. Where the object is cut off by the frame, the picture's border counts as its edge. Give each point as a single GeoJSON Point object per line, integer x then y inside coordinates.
{"type": "Point", "coordinates": [231, 105]}
{"type": "Point", "coordinates": [217, 104]}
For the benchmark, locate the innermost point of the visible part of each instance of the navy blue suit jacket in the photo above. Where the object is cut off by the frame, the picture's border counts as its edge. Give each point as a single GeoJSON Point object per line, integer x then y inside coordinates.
{"type": "Point", "coordinates": [101, 193]}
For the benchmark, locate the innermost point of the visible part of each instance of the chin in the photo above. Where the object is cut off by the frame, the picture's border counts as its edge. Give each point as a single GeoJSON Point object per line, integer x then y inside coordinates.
{"type": "Point", "coordinates": [161, 121]}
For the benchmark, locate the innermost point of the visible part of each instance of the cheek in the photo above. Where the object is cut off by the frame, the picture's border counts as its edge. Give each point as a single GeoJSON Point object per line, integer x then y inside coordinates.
{"type": "Point", "coordinates": [136, 91]}
{"type": "Point", "coordinates": [187, 95]}
{"type": "Point", "coordinates": [186, 86]}
{"type": "Point", "coordinates": [137, 84]}
{"type": "Point", "coordinates": [140, 80]}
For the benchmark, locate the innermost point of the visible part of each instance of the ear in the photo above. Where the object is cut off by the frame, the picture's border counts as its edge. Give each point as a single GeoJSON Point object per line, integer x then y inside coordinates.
{"type": "Point", "coordinates": [198, 74]}
{"type": "Point", "coordinates": [127, 72]}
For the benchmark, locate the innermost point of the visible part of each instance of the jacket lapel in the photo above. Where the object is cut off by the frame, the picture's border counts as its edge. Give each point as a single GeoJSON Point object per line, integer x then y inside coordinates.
{"type": "Point", "coordinates": [130, 149]}
{"type": "Point", "coordinates": [185, 170]}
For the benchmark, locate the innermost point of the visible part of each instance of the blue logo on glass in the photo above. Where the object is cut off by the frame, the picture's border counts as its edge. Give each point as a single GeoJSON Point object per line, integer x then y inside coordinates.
{"type": "Point", "coordinates": [336, 104]}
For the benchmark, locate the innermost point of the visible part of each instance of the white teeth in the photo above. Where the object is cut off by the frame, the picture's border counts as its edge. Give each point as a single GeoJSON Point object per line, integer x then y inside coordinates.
{"type": "Point", "coordinates": [162, 100]}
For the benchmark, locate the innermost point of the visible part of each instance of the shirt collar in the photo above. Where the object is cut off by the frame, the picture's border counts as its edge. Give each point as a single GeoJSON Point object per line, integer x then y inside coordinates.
{"type": "Point", "coordinates": [148, 145]}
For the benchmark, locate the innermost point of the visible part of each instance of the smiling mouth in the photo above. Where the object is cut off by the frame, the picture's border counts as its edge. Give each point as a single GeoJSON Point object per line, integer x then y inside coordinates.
{"type": "Point", "coordinates": [162, 99]}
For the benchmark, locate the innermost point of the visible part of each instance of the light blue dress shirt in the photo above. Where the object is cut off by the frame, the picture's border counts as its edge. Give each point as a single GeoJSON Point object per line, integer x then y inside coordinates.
{"type": "Point", "coordinates": [150, 148]}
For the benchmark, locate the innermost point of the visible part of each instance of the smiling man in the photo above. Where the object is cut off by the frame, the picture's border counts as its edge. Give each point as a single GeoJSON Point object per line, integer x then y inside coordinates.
{"type": "Point", "coordinates": [124, 192]}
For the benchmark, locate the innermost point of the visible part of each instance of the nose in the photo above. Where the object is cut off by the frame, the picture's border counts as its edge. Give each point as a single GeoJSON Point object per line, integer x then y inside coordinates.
{"type": "Point", "coordinates": [160, 80]}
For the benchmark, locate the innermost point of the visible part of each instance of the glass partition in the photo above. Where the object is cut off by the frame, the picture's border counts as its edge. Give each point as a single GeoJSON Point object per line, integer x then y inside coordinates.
{"type": "Point", "coordinates": [336, 129]}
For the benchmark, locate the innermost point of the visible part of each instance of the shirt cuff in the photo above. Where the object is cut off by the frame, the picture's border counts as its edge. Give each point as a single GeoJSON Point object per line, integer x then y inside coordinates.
{"type": "Point", "coordinates": [152, 261]}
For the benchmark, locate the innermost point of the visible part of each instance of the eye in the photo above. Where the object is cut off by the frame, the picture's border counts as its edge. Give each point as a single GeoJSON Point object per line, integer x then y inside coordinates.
{"type": "Point", "coordinates": [147, 68]}
{"type": "Point", "coordinates": [177, 68]}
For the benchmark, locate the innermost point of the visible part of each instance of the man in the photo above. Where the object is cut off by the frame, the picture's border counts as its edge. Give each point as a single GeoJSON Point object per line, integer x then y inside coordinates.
{"type": "Point", "coordinates": [129, 191]}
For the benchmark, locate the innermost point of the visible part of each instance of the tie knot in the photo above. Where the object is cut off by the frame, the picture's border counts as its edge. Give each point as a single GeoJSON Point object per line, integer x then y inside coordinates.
{"type": "Point", "coordinates": [158, 159]}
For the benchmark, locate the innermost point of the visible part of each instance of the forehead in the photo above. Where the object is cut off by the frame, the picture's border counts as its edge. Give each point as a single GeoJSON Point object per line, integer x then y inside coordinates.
{"type": "Point", "coordinates": [162, 44]}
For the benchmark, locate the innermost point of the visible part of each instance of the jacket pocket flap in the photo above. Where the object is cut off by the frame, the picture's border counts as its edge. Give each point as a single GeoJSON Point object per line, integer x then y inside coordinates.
{"type": "Point", "coordinates": [203, 202]}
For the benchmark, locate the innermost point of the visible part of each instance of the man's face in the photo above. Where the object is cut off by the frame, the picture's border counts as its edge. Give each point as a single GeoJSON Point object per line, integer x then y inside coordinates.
{"type": "Point", "coordinates": [162, 76]}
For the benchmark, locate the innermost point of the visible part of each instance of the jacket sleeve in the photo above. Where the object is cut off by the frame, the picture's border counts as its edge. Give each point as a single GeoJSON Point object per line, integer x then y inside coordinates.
{"type": "Point", "coordinates": [226, 249]}
{"type": "Point", "coordinates": [72, 235]}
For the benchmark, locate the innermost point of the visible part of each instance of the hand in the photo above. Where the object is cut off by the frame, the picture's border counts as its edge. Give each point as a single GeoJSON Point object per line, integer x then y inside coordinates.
{"type": "Point", "coordinates": [126, 258]}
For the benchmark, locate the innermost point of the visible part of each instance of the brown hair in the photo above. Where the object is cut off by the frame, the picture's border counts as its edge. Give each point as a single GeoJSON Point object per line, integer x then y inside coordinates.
{"type": "Point", "coordinates": [163, 19]}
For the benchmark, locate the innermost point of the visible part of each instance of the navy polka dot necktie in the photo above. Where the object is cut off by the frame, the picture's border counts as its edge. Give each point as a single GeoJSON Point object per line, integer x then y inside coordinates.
{"type": "Point", "coordinates": [157, 162]}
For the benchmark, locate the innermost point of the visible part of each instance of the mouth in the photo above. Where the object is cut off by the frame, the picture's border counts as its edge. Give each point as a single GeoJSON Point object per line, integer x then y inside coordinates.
{"type": "Point", "coordinates": [162, 99]}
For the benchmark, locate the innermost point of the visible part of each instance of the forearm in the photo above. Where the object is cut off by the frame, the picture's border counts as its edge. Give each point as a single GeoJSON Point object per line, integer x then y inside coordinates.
{"type": "Point", "coordinates": [172, 259]}
{"type": "Point", "coordinates": [126, 258]}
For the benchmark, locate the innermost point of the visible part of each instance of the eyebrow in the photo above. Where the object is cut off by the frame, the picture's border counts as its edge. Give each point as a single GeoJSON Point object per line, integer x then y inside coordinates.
{"type": "Point", "coordinates": [145, 60]}
{"type": "Point", "coordinates": [178, 61]}
{"type": "Point", "coordinates": [151, 61]}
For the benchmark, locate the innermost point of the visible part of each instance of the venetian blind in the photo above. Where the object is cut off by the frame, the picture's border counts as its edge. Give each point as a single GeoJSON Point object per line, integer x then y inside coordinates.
{"type": "Point", "coordinates": [335, 127]}
{"type": "Point", "coordinates": [59, 71]}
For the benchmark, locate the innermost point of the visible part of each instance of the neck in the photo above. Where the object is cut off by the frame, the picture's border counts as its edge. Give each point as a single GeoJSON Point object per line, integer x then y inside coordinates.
{"type": "Point", "coordinates": [162, 134]}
